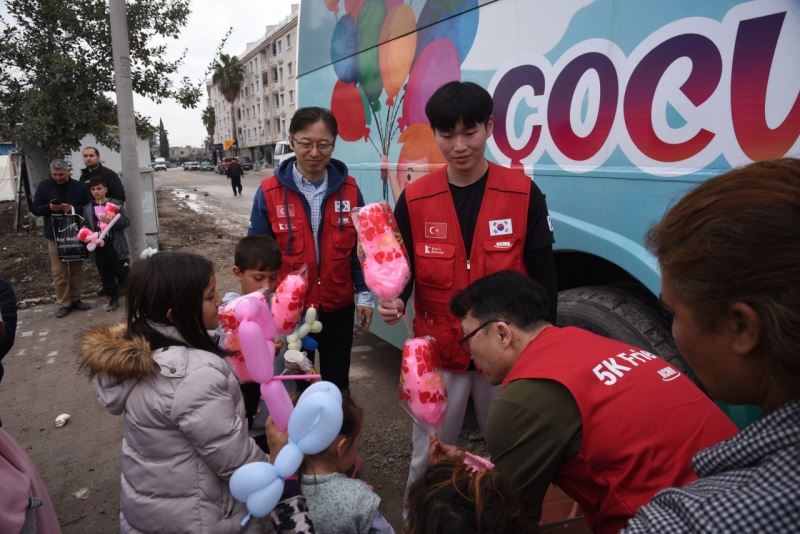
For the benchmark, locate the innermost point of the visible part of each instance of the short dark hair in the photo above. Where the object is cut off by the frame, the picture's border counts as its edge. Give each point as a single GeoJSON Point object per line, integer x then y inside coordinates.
{"type": "Point", "coordinates": [257, 252]}
{"type": "Point", "coordinates": [165, 281]}
{"type": "Point", "coordinates": [449, 498]}
{"type": "Point", "coordinates": [454, 102]}
{"type": "Point", "coordinates": [96, 152]}
{"type": "Point", "coordinates": [97, 180]}
{"type": "Point", "coordinates": [507, 295]}
{"type": "Point", "coordinates": [305, 117]}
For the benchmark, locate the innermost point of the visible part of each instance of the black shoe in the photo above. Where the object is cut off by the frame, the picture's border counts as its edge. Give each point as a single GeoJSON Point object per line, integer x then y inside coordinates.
{"type": "Point", "coordinates": [113, 304]}
{"type": "Point", "coordinates": [63, 312]}
{"type": "Point", "coordinates": [80, 306]}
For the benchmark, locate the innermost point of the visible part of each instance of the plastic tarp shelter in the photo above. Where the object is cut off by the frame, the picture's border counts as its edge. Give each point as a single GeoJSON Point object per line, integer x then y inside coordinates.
{"type": "Point", "coordinates": [8, 184]}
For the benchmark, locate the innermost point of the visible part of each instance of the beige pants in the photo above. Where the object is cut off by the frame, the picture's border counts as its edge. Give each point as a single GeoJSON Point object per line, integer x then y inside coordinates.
{"type": "Point", "coordinates": [67, 277]}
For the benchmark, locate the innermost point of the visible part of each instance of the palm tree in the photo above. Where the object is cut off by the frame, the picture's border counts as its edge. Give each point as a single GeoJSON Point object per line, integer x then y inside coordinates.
{"type": "Point", "coordinates": [209, 121]}
{"type": "Point", "coordinates": [228, 77]}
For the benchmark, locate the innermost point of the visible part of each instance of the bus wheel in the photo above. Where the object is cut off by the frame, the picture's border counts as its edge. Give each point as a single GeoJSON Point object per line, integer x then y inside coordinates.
{"type": "Point", "coordinates": [622, 314]}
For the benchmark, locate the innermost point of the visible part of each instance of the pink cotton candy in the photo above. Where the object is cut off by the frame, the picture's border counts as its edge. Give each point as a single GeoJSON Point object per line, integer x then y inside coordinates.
{"type": "Point", "coordinates": [288, 300]}
{"type": "Point", "coordinates": [111, 209]}
{"type": "Point", "coordinates": [383, 257]}
{"type": "Point", "coordinates": [422, 389]}
{"type": "Point", "coordinates": [99, 211]}
{"type": "Point", "coordinates": [84, 234]}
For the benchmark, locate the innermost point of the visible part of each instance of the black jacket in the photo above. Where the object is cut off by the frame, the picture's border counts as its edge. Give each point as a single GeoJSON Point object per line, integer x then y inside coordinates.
{"type": "Point", "coordinates": [115, 188]}
{"type": "Point", "coordinates": [8, 309]}
{"type": "Point", "coordinates": [70, 192]}
{"type": "Point", "coordinates": [234, 170]}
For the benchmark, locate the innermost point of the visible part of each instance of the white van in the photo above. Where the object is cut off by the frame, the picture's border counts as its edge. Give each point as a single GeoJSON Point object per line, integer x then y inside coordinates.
{"type": "Point", "coordinates": [283, 151]}
{"type": "Point", "coordinates": [159, 164]}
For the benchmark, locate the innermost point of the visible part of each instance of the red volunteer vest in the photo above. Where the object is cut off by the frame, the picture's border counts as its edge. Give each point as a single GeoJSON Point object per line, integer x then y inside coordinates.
{"type": "Point", "coordinates": [642, 421]}
{"type": "Point", "coordinates": [331, 288]}
{"type": "Point", "coordinates": [441, 265]}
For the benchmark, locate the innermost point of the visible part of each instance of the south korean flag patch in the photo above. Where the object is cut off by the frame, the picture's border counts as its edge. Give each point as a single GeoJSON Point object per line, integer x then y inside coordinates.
{"type": "Point", "coordinates": [342, 206]}
{"type": "Point", "coordinates": [500, 227]}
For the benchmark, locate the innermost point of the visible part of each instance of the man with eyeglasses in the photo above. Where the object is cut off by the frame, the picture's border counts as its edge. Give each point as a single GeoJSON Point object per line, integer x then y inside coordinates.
{"type": "Point", "coordinates": [607, 422]}
{"type": "Point", "coordinates": [306, 207]}
{"type": "Point", "coordinates": [459, 223]}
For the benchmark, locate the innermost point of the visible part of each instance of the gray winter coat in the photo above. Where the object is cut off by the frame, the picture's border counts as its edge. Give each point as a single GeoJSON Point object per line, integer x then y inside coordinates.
{"type": "Point", "coordinates": [184, 431]}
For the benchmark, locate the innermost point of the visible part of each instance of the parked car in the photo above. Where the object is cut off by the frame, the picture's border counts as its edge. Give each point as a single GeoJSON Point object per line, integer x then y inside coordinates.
{"type": "Point", "coordinates": [191, 165]}
{"type": "Point", "coordinates": [222, 166]}
{"type": "Point", "coordinates": [159, 164]}
{"type": "Point", "coordinates": [246, 163]}
{"type": "Point", "coordinates": [206, 166]}
{"type": "Point", "coordinates": [283, 151]}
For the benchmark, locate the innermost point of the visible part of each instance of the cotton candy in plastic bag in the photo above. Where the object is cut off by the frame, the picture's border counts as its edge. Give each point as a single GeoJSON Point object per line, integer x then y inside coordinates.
{"type": "Point", "coordinates": [383, 257]}
{"type": "Point", "coordinates": [288, 300]}
{"type": "Point", "coordinates": [422, 389]}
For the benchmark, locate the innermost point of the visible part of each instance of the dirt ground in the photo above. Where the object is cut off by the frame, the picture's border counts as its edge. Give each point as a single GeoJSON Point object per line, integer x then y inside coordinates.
{"type": "Point", "coordinates": [23, 258]}
{"type": "Point", "coordinates": [84, 455]}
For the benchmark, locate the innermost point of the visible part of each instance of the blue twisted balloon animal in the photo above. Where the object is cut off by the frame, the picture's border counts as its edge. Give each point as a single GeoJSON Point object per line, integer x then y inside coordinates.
{"type": "Point", "coordinates": [313, 425]}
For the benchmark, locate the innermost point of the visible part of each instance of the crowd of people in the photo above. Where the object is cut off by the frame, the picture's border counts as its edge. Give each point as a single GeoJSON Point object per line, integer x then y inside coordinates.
{"type": "Point", "coordinates": [58, 201]}
{"type": "Point", "coordinates": [637, 444]}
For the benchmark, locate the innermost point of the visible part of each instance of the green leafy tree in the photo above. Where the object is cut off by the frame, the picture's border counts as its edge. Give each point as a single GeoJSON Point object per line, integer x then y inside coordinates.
{"type": "Point", "coordinates": [209, 121]}
{"type": "Point", "coordinates": [228, 76]}
{"type": "Point", "coordinates": [163, 142]}
{"type": "Point", "coordinates": [57, 70]}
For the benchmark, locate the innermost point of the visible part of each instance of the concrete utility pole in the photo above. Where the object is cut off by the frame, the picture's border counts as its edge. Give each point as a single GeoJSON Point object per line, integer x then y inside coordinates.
{"type": "Point", "coordinates": [127, 125]}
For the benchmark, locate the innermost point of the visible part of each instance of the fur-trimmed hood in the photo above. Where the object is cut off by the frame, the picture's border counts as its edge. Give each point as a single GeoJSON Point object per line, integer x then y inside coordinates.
{"type": "Point", "coordinates": [115, 364]}
{"type": "Point", "coordinates": [105, 350]}
{"type": "Point", "coordinates": [184, 431]}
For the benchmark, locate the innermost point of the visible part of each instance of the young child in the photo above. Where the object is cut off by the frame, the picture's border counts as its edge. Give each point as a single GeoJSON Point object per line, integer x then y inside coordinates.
{"type": "Point", "coordinates": [336, 502]}
{"type": "Point", "coordinates": [112, 258]}
{"type": "Point", "coordinates": [256, 262]}
{"type": "Point", "coordinates": [184, 431]}
{"type": "Point", "coordinates": [451, 498]}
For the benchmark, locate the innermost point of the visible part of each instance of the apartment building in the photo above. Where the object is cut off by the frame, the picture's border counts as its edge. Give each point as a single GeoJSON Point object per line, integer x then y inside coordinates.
{"type": "Point", "coordinates": [268, 97]}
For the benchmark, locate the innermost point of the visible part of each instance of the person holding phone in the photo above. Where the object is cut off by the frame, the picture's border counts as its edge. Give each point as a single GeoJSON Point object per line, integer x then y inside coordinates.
{"type": "Point", "coordinates": [61, 194]}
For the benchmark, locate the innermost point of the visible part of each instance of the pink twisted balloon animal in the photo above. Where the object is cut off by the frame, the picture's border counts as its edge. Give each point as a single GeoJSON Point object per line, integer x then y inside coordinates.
{"type": "Point", "coordinates": [97, 239]}
{"type": "Point", "coordinates": [248, 322]}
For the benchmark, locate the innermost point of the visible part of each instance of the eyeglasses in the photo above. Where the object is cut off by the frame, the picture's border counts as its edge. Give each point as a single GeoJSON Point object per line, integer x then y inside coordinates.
{"type": "Point", "coordinates": [308, 146]}
{"type": "Point", "coordinates": [464, 341]}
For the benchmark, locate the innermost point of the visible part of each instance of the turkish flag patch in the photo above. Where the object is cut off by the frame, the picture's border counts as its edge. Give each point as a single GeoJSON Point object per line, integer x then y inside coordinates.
{"type": "Point", "coordinates": [500, 227]}
{"type": "Point", "coordinates": [284, 210]}
{"type": "Point", "coordinates": [435, 230]}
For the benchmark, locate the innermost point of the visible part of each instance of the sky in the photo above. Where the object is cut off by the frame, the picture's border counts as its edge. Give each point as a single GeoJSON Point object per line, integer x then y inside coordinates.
{"type": "Point", "coordinates": [207, 24]}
